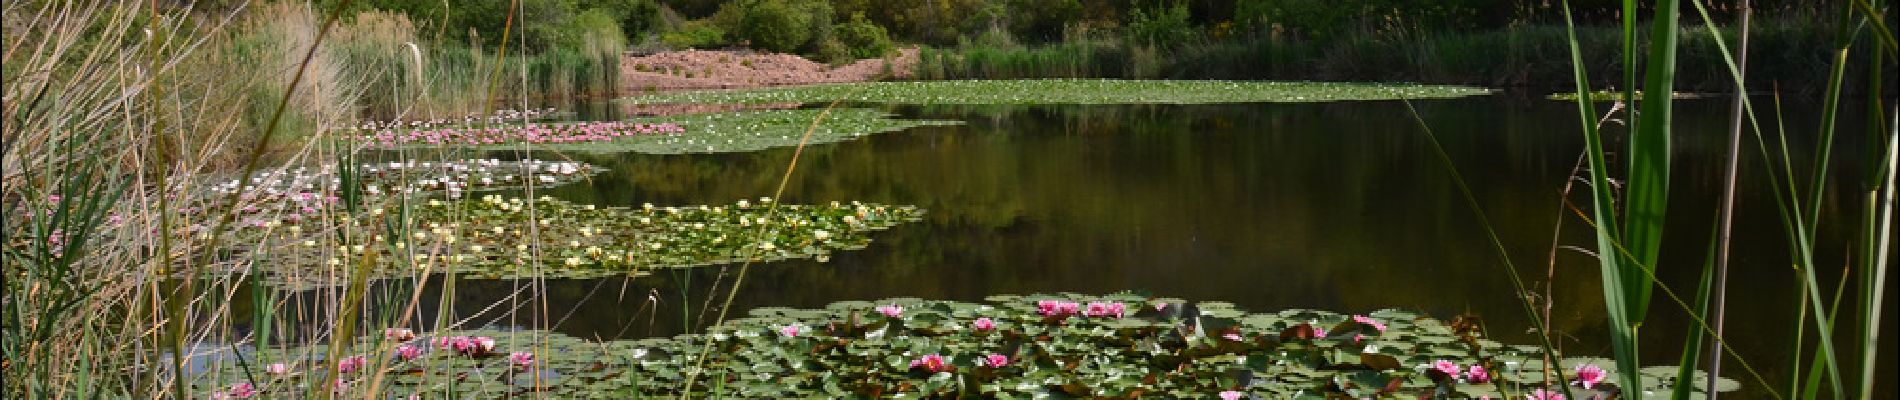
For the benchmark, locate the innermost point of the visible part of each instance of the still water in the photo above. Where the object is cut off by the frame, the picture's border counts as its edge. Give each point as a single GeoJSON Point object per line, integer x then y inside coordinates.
{"type": "Point", "coordinates": [1336, 206]}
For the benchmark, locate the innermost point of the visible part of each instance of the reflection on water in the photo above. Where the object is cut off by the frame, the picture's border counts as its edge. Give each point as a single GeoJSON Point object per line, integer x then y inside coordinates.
{"type": "Point", "coordinates": [1337, 206]}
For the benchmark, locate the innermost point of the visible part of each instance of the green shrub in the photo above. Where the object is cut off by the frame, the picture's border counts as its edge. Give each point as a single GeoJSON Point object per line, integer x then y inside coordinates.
{"type": "Point", "coordinates": [863, 38]}
{"type": "Point", "coordinates": [695, 34]}
{"type": "Point", "coordinates": [773, 25]}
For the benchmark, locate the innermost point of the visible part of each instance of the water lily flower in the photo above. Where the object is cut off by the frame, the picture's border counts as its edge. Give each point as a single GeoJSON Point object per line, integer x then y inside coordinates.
{"type": "Point", "coordinates": [1319, 332]}
{"type": "Point", "coordinates": [277, 369]}
{"type": "Point", "coordinates": [1369, 321]}
{"type": "Point", "coordinates": [893, 311]}
{"type": "Point", "coordinates": [1541, 394]}
{"type": "Point", "coordinates": [1589, 375]}
{"type": "Point", "coordinates": [930, 362]}
{"type": "Point", "coordinates": [407, 352]}
{"type": "Point", "coordinates": [983, 324]}
{"type": "Point", "coordinates": [399, 334]}
{"type": "Point", "coordinates": [1056, 308]}
{"type": "Point", "coordinates": [241, 390]}
{"type": "Point", "coordinates": [996, 360]}
{"type": "Point", "coordinates": [351, 364]}
{"type": "Point", "coordinates": [1232, 395]}
{"type": "Point", "coordinates": [788, 331]}
{"type": "Point", "coordinates": [1447, 367]}
{"type": "Point", "coordinates": [521, 359]}
{"type": "Point", "coordinates": [1477, 374]}
{"type": "Point", "coordinates": [1232, 336]}
{"type": "Point", "coordinates": [1110, 309]}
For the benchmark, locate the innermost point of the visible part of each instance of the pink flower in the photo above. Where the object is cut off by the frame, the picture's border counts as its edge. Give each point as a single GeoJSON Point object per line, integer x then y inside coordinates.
{"type": "Point", "coordinates": [1056, 308]}
{"type": "Point", "coordinates": [407, 352]}
{"type": "Point", "coordinates": [893, 311]}
{"type": "Point", "coordinates": [1369, 321]}
{"type": "Point", "coordinates": [1232, 336]}
{"type": "Point", "coordinates": [242, 390]}
{"type": "Point", "coordinates": [277, 369]}
{"type": "Point", "coordinates": [996, 360]}
{"type": "Point", "coordinates": [1447, 367]}
{"type": "Point", "coordinates": [399, 334]}
{"type": "Point", "coordinates": [1589, 375]}
{"type": "Point", "coordinates": [1232, 395]}
{"type": "Point", "coordinates": [1112, 309]}
{"type": "Point", "coordinates": [1319, 332]}
{"type": "Point", "coordinates": [930, 362]}
{"type": "Point", "coordinates": [351, 364]}
{"type": "Point", "coordinates": [1477, 374]}
{"type": "Point", "coordinates": [521, 359]}
{"type": "Point", "coordinates": [1541, 394]}
{"type": "Point", "coordinates": [984, 324]}
{"type": "Point", "coordinates": [485, 344]}
{"type": "Point", "coordinates": [788, 331]}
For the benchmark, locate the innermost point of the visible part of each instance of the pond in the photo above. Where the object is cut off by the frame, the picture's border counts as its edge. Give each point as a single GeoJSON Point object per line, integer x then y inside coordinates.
{"type": "Point", "coordinates": [1331, 206]}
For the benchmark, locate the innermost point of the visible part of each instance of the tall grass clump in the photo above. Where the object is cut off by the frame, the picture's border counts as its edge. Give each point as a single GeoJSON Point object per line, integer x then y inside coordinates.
{"type": "Point", "coordinates": [119, 262]}
{"type": "Point", "coordinates": [1628, 223]}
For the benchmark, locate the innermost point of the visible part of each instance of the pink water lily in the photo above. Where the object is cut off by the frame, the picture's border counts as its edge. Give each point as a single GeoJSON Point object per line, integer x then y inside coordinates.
{"type": "Point", "coordinates": [1319, 332]}
{"type": "Point", "coordinates": [399, 334]}
{"type": "Point", "coordinates": [521, 359]}
{"type": "Point", "coordinates": [241, 390]}
{"type": "Point", "coordinates": [277, 369]}
{"type": "Point", "coordinates": [1447, 367]}
{"type": "Point", "coordinates": [788, 331]}
{"type": "Point", "coordinates": [893, 311]}
{"type": "Point", "coordinates": [1477, 374]}
{"type": "Point", "coordinates": [1232, 336]}
{"type": "Point", "coordinates": [1232, 395]}
{"type": "Point", "coordinates": [1541, 394]}
{"type": "Point", "coordinates": [1369, 321]}
{"type": "Point", "coordinates": [931, 363]}
{"type": "Point", "coordinates": [1057, 308]}
{"type": "Point", "coordinates": [407, 352]}
{"type": "Point", "coordinates": [983, 324]}
{"type": "Point", "coordinates": [1590, 375]}
{"type": "Point", "coordinates": [351, 364]}
{"type": "Point", "coordinates": [996, 360]}
{"type": "Point", "coordinates": [1110, 309]}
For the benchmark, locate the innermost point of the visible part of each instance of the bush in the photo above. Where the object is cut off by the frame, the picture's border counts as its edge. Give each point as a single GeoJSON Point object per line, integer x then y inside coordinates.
{"type": "Point", "coordinates": [695, 34]}
{"type": "Point", "coordinates": [863, 38]}
{"type": "Point", "coordinates": [773, 25]}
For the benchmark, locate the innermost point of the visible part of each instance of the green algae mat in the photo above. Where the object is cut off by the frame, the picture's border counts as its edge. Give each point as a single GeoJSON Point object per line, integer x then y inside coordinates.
{"type": "Point", "coordinates": [1068, 91]}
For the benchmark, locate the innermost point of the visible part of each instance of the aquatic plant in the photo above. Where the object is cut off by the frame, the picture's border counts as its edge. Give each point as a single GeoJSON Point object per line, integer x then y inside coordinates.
{"type": "Point", "coordinates": [509, 237]}
{"type": "Point", "coordinates": [505, 134]}
{"type": "Point", "coordinates": [1163, 347]}
{"type": "Point", "coordinates": [1069, 91]}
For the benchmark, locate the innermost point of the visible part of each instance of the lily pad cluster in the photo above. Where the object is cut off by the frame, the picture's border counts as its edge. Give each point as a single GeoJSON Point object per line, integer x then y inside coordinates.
{"type": "Point", "coordinates": [498, 117]}
{"type": "Point", "coordinates": [742, 131]}
{"type": "Point", "coordinates": [505, 238]}
{"type": "Point", "coordinates": [1069, 91]}
{"type": "Point", "coordinates": [480, 364]}
{"type": "Point", "coordinates": [1063, 345]}
{"type": "Point", "coordinates": [290, 196]}
{"type": "Point", "coordinates": [506, 134]}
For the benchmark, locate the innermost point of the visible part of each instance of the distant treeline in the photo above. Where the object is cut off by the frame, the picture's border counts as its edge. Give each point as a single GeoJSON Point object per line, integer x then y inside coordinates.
{"type": "Point", "coordinates": [1508, 43]}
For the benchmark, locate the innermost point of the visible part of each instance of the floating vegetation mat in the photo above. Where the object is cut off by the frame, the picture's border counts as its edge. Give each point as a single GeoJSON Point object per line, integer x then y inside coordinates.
{"type": "Point", "coordinates": [505, 134]}
{"type": "Point", "coordinates": [1012, 346]}
{"type": "Point", "coordinates": [290, 196]}
{"type": "Point", "coordinates": [506, 238]}
{"type": "Point", "coordinates": [743, 131]}
{"type": "Point", "coordinates": [1069, 91]}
